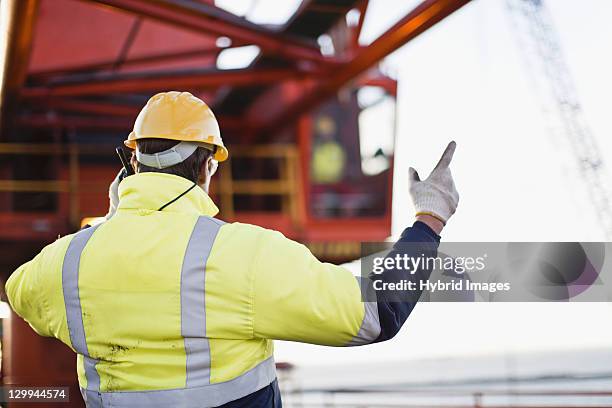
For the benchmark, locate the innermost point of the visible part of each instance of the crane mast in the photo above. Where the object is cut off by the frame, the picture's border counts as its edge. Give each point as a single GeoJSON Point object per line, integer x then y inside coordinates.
{"type": "Point", "coordinates": [541, 48]}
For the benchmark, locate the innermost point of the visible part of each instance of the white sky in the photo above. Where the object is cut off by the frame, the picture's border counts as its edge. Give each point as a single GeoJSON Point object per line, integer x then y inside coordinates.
{"type": "Point", "coordinates": [464, 80]}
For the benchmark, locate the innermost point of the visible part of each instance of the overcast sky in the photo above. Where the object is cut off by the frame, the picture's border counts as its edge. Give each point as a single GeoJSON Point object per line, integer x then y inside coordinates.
{"type": "Point", "coordinates": [465, 80]}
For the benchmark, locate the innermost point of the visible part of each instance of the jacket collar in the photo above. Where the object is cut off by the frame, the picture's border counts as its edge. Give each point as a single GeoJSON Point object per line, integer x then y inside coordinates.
{"type": "Point", "coordinates": [150, 191]}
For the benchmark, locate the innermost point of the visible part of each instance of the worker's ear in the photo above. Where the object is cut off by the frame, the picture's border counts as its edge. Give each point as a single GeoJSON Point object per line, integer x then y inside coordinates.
{"type": "Point", "coordinates": [203, 173]}
{"type": "Point", "coordinates": [209, 166]}
{"type": "Point", "coordinates": [212, 166]}
{"type": "Point", "coordinates": [133, 161]}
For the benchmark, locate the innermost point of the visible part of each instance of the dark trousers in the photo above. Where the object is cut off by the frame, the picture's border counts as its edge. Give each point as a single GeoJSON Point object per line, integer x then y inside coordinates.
{"type": "Point", "coordinates": [268, 397]}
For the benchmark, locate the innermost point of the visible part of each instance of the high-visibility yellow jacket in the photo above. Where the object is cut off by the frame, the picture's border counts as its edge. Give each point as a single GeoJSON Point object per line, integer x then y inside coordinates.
{"type": "Point", "coordinates": [176, 308]}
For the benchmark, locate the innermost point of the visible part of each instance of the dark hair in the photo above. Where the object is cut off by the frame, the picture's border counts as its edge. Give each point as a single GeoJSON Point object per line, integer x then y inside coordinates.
{"type": "Point", "coordinates": [189, 168]}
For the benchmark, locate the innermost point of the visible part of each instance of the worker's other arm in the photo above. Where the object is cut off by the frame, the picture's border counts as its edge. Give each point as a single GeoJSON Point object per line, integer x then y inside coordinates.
{"type": "Point", "coordinates": [298, 298]}
{"type": "Point", "coordinates": [435, 200]}
{"type": "Point", "coordinates": [394, 307]}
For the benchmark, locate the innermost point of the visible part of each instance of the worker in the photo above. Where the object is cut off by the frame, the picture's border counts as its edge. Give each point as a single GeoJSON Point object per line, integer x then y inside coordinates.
{"type": "Point", "coordinates": [167, 306]}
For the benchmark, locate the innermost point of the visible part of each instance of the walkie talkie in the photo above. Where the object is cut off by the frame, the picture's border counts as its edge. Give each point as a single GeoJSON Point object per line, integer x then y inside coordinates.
{"type": "Point", "coordinates": [124, 161]}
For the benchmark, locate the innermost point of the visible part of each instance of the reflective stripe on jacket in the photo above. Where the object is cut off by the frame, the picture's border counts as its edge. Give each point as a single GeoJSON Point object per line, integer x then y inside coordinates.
{"type": "Point", "coordinates": [176, 308]}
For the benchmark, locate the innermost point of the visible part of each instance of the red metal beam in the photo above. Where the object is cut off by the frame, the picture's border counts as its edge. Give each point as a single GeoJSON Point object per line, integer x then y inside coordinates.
{"type": "Point", "coordinates": [388, 84]}
{"type": "Point", "coordinates": [72, 122]}
{"type": "Point", "coordinates": [356, 32]}
{"type": "Point", "coordinates": [151, 82]}
{"type": "Point", "coordinates": [89, 107]}
{"type": "Point", "coordinates": [208, 19]}
{"type": "Point", "coordinates": [421, 18]}
{"type": "Point", "coordinates": [52, 120]}
{"type": "Point", "coordinates": [137, 61]}
{"type": "Point", "coordinates": [18, 18]}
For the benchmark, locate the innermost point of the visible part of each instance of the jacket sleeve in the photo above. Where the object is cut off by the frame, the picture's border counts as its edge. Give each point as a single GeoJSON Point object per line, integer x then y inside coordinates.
{"type": "Point", "coordinates": [298, 298]}
{"type": "Point", "coordinates": [34, 290]}
{"type": "Point", "coordinates": [23, 289]}
{"type": "Point", "coordinates": [394, 309]}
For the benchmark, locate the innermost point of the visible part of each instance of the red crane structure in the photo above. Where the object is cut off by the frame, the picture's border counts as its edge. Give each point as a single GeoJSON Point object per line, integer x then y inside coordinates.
{"type": "Point", "coordinates": [75, 73]}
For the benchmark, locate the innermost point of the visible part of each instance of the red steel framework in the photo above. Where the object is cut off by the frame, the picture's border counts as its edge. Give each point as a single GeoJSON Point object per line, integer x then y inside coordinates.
{"type": "Point", "coordinates": [320, 76]}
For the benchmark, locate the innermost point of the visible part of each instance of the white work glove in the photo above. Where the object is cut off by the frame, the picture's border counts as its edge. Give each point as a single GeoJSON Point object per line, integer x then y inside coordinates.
{"type": "Point", "coordinates": [113, 194]}
{"type": "Point", "coordinates": [436, 195]}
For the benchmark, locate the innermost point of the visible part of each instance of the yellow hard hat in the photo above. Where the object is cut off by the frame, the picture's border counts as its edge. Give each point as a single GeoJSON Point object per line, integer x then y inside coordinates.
{"type": "Point", "coordinates": [178, 116]}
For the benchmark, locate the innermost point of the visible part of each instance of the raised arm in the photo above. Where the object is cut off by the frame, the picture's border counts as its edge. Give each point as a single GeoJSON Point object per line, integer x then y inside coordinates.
{"type": "Point", "coordinates": [435, 200]}
{"type": "Point", "coordinates": [296, 297]}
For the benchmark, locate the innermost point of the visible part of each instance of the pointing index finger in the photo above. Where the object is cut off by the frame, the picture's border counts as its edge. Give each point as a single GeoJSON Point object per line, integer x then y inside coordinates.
{"type": "Point", "coordinates": [447, 156]}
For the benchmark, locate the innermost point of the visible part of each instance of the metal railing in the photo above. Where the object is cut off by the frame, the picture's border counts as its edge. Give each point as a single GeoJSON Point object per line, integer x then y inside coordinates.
{"type": "Point", "coordinates": [427, 398]}
{"type": "Point", "coordinates": [71, 186]}
{"type": "Point", "coordinates": [287, 185]}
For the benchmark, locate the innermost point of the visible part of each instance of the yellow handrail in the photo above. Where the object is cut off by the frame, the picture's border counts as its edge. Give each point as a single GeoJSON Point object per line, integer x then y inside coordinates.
{"type": "Point", "coordinates": [287, 185]}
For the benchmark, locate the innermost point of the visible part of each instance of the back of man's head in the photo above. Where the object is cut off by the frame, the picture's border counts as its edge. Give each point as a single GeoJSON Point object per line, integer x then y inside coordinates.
{"type": "Point", "coordinates": [190, 168]}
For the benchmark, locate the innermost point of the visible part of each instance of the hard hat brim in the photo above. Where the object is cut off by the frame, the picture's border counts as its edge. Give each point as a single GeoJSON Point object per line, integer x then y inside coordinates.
{"type": "Point", "coordinates": [221, 154]}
